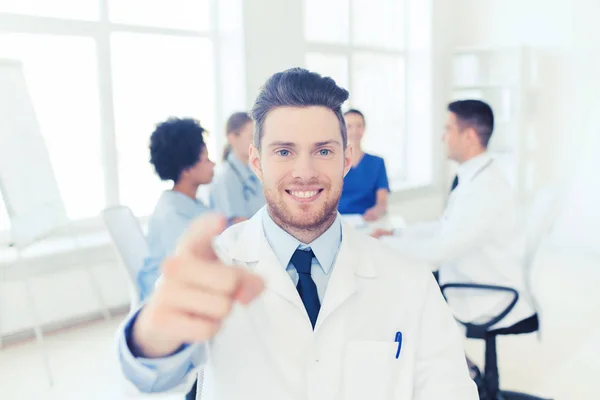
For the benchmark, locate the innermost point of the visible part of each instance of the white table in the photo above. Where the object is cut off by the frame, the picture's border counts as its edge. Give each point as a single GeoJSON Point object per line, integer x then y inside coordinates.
{"type": "Point", "coordinates": [389, 221]}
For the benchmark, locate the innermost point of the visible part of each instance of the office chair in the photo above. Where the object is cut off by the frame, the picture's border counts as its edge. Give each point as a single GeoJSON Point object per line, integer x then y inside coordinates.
{"type": "Point", "coordinates": [130, 243]}
{"type": "Point", "coordinates": [489, 385]}
{"type": "Point", "coordinates": [540, 218]}
{"type": "Point", "coordinates": [132, 248]}
{"type": "Point", "coordinates": [539, 222]}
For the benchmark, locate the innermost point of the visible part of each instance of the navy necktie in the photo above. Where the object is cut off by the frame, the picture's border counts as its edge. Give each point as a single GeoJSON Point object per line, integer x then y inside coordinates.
{"type": "Point", "coordinates": [302, 261]}
{"type": "Point", "coordinates": [454, 183]}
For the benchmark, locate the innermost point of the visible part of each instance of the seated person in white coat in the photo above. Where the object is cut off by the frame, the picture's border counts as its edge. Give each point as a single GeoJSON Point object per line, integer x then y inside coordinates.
{"type": "Point", "coordinates": [479, 237]}
{"type": "Point", "coordinates": [236, 192]}
{"type": "Point", "coordinates": [295, 304]}
{"type": "Point", "coordinates": [178, 153]}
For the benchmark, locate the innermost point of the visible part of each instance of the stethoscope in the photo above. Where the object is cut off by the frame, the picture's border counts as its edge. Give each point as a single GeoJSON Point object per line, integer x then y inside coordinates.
{"type": "Point", "coordinates": [247, 190]}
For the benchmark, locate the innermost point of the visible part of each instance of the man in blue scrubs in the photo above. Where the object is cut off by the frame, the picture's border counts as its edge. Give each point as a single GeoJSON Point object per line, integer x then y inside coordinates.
{"type": "Point", "coordinates": [366, 185]}
{"type": "Point", "coordinates": [178, 153]}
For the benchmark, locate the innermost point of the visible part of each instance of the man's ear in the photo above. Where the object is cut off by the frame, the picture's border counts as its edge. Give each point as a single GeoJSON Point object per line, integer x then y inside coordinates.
{"type": "Point", "coordinates": [473, 136]}
{"type": "Point", "coordinates": [254, 161]}
{"type": "Point", "coordinates": [348, 151]}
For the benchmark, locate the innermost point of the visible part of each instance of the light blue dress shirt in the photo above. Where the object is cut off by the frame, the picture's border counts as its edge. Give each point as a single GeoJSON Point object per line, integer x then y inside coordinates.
{"type": "Point", "coordinates": [171, 217]}
{"type": "Point", "coordinates": [162, 374]}
{"type": "Point", "coordinates": [235, 190]}
{"type": "Point", "coordinates": [325, 248]}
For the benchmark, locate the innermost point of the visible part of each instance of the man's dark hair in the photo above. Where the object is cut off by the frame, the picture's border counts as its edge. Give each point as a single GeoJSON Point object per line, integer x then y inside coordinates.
{"type": "Point", "coordinates": [175, 145]}
{"type": "Point", "coordinates": [475, 114]}
{"type": "Point", "coordinates": [298, 87]}
{"type": "Point", "coordinates": [355, 111]}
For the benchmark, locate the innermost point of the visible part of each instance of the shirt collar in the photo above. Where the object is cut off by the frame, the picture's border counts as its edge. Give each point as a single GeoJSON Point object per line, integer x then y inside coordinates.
{"type": "Point", "coordinates": [325, 247]}
{"type": "Point", "coordinates": [468, 169]}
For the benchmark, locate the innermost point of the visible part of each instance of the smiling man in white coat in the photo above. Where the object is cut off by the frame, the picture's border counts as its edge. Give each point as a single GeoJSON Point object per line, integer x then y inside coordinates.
{"type": "Point", "coordinates": [295, 304]}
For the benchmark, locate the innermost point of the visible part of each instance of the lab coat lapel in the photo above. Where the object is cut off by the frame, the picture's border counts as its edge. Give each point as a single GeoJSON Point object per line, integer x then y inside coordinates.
{"type": "Point", "coordinates": [277, 316]}
{"type": "Point", "coordinates": [276, 278]}
{"type": "Point", "coordinates": [350, 265]}
{"type": "Point", "coordinates": [253, 249]}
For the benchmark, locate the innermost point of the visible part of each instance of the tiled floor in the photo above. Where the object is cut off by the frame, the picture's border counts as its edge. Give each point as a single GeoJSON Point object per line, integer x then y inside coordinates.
{"type": "Point", "coordinates": [82, 362]}
{"type": "Point", "coordinates": [564, 365]}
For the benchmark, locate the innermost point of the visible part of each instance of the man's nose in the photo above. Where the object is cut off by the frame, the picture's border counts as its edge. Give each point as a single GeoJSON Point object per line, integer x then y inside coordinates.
{"type": "Point", "coordinates": [304, 167]}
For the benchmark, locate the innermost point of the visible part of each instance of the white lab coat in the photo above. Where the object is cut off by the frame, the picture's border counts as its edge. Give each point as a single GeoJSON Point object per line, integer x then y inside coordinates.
{"type": "Point", "coordinates": [479, 239]}
{"type": "Point", "coordinates": [268, 350]}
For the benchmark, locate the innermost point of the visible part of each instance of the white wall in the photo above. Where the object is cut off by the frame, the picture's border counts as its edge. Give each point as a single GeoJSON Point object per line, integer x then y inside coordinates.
{"type": "Point", "coordinates": [545, 26]}
{"type": "Point", "coordinates": [274, 40]}
{"type": "Point", "coordinates": [444, 36]}
{"type": "Point", "coordinates": [578, 226]}
{"type": "Point", "coordinates": [60, 289]}
{"type": "Point", "coordinates": [565, 33]}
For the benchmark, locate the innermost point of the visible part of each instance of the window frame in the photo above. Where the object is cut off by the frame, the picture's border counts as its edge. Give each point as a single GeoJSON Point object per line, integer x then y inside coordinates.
{"type": "Point", "coordinates": [100, 31]}
{"type": "Point", "coordinates": [348, 50]}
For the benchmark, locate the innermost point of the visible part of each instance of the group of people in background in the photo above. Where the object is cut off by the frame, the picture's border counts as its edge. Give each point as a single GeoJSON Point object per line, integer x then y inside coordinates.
{"type": "Point", "coordinates": [179, 154]}
{"type": "Point", "coordinates": [479, 226]}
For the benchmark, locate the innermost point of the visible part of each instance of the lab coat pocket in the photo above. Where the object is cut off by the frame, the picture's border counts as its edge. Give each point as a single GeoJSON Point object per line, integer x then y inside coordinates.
{"type": "Point", "coordinates": [369, 367]}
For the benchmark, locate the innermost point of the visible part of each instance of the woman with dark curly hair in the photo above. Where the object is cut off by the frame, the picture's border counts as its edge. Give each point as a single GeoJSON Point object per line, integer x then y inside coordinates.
{"type": "Point", "coordinates": [178, 153]}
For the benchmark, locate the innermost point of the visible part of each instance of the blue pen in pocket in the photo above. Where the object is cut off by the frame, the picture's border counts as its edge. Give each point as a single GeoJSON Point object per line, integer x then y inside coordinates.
{"type": "Point", "coordinates": [399, 341]}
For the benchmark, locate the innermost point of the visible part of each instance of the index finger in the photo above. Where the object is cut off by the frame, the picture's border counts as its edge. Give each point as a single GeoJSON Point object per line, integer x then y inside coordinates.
{"type": "Point", "coordinates": [198, 239]}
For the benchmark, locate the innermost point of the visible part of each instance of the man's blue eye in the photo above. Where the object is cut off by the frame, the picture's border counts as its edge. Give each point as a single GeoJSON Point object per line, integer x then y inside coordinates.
{"type": "Point", "coordinates": [324, 152]}
{"type": "Point", "coordinates": [284, 152]}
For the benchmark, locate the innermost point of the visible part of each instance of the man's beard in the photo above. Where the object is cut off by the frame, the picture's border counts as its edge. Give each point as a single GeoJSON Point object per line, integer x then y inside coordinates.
{"type": "Point", "coordinates": [309, 221]}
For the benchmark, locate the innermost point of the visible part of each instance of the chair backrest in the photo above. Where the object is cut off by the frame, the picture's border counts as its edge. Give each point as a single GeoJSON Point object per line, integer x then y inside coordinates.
{"type": "Point", "coordinates": [538, 223]}
{"type": "Point", "coordinates": [539, 220]}
{"type": "Point", "coordinates": [129, 240]}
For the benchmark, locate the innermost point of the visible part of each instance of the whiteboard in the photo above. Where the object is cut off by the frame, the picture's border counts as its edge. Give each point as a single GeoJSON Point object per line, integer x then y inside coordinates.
{"type": "Point", "coordinates": [27, 182]}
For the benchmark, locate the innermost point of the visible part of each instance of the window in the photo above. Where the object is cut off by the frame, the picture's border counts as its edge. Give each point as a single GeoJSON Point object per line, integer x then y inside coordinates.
{"type": "Point", "coordinates": [141, 101]}
{"type": "Point", "coordinates": [102, 81]}
{"type": "Point", "coordinates": [68, 9]}
{"type": "Point", "coordinates": [378, 23]}
{"type": "Point", "coordinates": [326, 21]}
{"type": "Point", "coordinates": [332, 65]}
{"type": "Point", "coordinates": [193, 15]}
{"type": "Point", "coordinates": [378, 91]}
{"type": "Point", "coordinates": [364, 45]}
